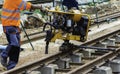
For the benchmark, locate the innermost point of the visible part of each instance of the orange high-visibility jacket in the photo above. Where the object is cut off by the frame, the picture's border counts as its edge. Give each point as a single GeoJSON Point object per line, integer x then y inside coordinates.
{"type": "Point", "coordinates": [11, 12]}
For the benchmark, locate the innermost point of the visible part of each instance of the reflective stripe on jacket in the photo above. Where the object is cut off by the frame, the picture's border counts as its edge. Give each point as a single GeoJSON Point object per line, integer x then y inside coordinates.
{"type": "Point", "coordinates": [11, 11]}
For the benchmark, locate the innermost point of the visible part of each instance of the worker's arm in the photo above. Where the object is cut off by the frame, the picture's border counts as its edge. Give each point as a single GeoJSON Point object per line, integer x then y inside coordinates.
{"type": "Point", "coordinates": [33, 7]}
{"type": "Point", "coordinates": [23, 5]}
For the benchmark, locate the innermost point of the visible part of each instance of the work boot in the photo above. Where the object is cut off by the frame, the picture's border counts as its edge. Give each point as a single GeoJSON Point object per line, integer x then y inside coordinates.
{"type": "Point", "coordinates": [3, 60]}
{"type": "Point", "coordinates": [13, 57]}
{"type": "Point", "coordinates": [11, 65]}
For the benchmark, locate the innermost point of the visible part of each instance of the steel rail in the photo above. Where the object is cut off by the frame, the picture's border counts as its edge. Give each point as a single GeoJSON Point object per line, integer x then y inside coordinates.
{"type": "Point", "coordinates": [107, 17]}
{"type": "Point", "coordinates": [32, 38]}
{"type": "Point", "coordinates": [55, 56]}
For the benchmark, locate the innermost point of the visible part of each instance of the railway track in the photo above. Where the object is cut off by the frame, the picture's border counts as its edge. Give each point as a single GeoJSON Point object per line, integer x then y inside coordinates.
{"type": "Point", "coordinates": [79, 68]}
{"type": "Point", "coordinates": [84, 66]}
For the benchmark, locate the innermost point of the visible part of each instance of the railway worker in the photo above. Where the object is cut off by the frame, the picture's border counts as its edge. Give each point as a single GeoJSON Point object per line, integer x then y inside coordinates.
{"type": "Point", "coordinates": [10, 18]}
{"type": "Point", "coordinates": [70, 4]}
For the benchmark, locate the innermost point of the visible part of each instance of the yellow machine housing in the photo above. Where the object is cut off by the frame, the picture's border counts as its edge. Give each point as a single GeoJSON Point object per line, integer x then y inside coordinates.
{"type": "Point", "coordinates": [73, 15]}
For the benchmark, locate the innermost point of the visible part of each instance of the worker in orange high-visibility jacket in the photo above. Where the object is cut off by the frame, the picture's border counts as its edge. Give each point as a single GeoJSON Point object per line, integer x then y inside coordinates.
{"type": "Point", "coordinates": [10, 18]}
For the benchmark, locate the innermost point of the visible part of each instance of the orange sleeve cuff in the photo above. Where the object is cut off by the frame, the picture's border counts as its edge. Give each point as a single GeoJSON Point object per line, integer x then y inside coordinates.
{"type": "Point", "coordinates": [28, 6]}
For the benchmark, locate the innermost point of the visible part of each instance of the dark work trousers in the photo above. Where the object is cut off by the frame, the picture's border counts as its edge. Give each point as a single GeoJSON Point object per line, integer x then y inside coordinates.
{"type": "Point", "coordinates": [70, 3]}
{"type": "Point", "coordinates": [13, 49]}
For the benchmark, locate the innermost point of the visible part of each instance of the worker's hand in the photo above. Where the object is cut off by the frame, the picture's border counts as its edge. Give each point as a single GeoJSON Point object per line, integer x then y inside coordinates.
{"type": "Point", "coordinates": [44, 9]}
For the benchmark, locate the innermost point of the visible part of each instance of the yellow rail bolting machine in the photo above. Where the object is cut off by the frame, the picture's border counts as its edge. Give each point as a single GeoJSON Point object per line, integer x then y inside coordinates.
{"type": "Point", "coordinates": [70, 25]}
